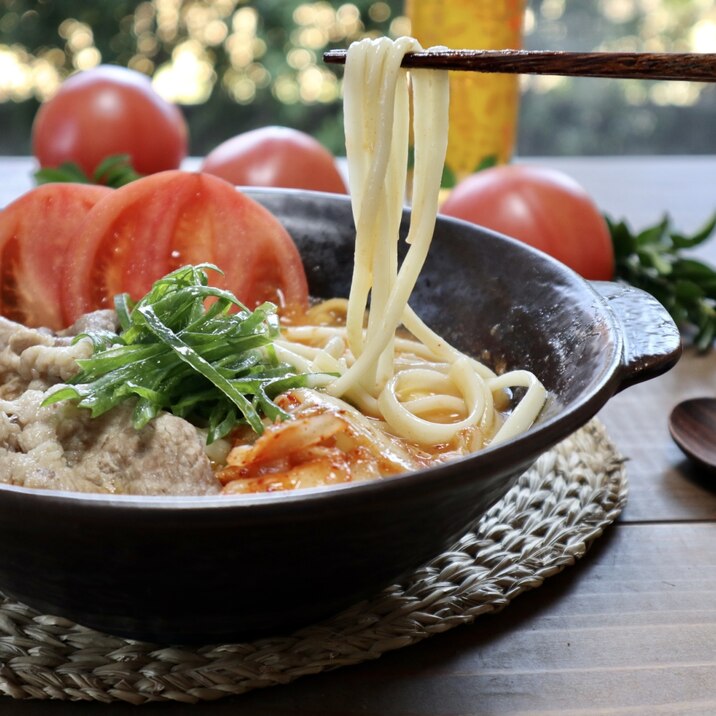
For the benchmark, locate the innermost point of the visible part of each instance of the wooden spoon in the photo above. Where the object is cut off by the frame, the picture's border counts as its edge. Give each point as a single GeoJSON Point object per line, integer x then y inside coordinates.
{"type": "Point", "coordinates": [692, 424]}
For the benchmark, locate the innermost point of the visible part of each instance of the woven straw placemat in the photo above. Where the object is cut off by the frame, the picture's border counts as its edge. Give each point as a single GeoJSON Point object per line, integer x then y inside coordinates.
{"type": "Point", "coordinates": [545, 523]}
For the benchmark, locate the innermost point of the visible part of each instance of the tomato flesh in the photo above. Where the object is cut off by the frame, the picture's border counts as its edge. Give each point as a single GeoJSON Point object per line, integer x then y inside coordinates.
{"type": "Point", "coordinates": [158, 223]}
{"type": "Point", "coordinates": [36, 231]}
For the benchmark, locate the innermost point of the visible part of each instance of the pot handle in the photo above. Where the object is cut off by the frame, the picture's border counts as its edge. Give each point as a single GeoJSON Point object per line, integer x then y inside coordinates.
{"type": "Point", "coordinates": [652, 342]}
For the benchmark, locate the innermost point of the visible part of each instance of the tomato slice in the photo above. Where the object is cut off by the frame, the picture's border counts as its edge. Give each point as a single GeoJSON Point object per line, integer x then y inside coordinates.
{"type": "Point", "coordinates": [163, 221]}
{"type": "Point", "coordinates": [35, 232]}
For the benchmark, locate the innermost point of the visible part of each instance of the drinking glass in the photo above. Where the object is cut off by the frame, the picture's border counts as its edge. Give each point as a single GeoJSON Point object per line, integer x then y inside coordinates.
{"type": "Point", "coordinates": [483, 107]}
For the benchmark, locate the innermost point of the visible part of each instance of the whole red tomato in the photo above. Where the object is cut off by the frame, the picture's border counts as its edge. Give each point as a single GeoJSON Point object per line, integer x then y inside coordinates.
{"type": "Point", "coordinates": [278, 157]}
{"type": "Point", "coordinates": [541, 207]}
{"type": "Point", "coordinates": [106, 111]}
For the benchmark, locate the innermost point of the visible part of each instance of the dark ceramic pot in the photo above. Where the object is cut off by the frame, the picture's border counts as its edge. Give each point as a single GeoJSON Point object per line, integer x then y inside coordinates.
{"type": "Point", "coordinates": [218, 569]}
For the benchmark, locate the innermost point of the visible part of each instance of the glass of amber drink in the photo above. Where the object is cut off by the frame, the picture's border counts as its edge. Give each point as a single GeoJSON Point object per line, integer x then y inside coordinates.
{"type": "Point", "coordinates": [483, 107]}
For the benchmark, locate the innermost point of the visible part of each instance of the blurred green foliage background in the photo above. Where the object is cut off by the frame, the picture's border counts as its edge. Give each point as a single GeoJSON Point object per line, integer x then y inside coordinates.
{"type": "Point", "coordinates": [236, 65]}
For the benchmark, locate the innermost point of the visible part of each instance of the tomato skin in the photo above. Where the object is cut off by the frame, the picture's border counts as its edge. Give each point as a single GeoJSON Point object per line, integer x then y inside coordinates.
{"type": "Point", "coordinates": [156, 224]}
{"type": "Point", "coordinates": [35, 232]}
{"type": "Point", "coordinates": [275, 157]}
{"type": "Point", "coordinates": [106, 111]}
{"type": "Point", "coordinates": [542, 207]}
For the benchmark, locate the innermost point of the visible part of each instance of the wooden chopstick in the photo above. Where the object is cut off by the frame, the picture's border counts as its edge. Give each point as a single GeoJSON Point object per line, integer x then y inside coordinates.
{"type": "Point", "coordinates": [695, 67]}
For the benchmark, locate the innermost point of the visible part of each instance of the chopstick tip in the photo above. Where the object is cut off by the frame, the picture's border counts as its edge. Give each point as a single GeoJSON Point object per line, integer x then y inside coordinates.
{"type": "Point", "coordinates": [334, 57]}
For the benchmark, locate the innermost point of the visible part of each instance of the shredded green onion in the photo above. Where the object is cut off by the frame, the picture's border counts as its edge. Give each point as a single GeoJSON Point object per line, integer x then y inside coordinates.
{"type": "Point", "coordinates": [175, 352]}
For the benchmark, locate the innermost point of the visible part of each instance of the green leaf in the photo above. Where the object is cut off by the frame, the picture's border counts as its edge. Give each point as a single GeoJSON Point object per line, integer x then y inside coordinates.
{"type": "Point", "coordinates": [221, 423]}
{"type": "Point", "coordinates": [654, 234]}
{"type": "Point", "coordinates": [681, 241]}
{"type": "Point", "coordinates": [691, 268]}
{"type": "Point", "coordinates": [686, 287]}
{"type": "Point", "coordinates": [67, 172]}
{"type": "Point", "coordinates": [622, 238]}
{"type": "Point", "coordinates": [491, 160]}
{"type": "Point", "coordinates": [688, 291]}
{"type": "Point", "coordinates": [123, 307]}
{"type": "Point", "coordinates": [66, 393]}
{"type": "Point", "coordinates": [211, 366]}
{"type": "Point", "coordinates": [114, 171]}
{"type": "Point", "coordinates": [448, 179]}
{"type": "Point", "coordinates": [652, 257]}
{"type": "Point", "coordinates": [202, 366]}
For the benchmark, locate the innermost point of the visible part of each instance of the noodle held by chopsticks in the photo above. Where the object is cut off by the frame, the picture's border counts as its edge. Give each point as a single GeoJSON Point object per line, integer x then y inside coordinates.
{"type": "Point", "coordinates": [450, 394]}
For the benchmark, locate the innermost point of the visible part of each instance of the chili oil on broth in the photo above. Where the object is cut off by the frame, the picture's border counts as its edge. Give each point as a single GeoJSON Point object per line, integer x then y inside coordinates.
{"type": "Point", "coordinates": [388, 403]}
{"type": "Point", "coordinates": [329, 441]}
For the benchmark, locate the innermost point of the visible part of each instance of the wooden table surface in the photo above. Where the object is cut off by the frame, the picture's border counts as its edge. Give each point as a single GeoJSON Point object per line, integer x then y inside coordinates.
{"type": "Point", "coordinates": [631, 629]}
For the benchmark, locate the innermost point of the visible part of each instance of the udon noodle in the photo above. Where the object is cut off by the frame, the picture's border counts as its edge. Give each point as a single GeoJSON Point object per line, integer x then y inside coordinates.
{"type": "Point", "coordinates": [389, 401]}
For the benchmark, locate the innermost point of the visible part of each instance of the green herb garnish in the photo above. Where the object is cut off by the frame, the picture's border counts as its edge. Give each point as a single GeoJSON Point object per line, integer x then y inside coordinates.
{"type": "Point", "coordinates": [204, 363]}
{"type": "Point", "coordinates": [114, 171]}
{"type": "Point", "coordinates": [653, 261]}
